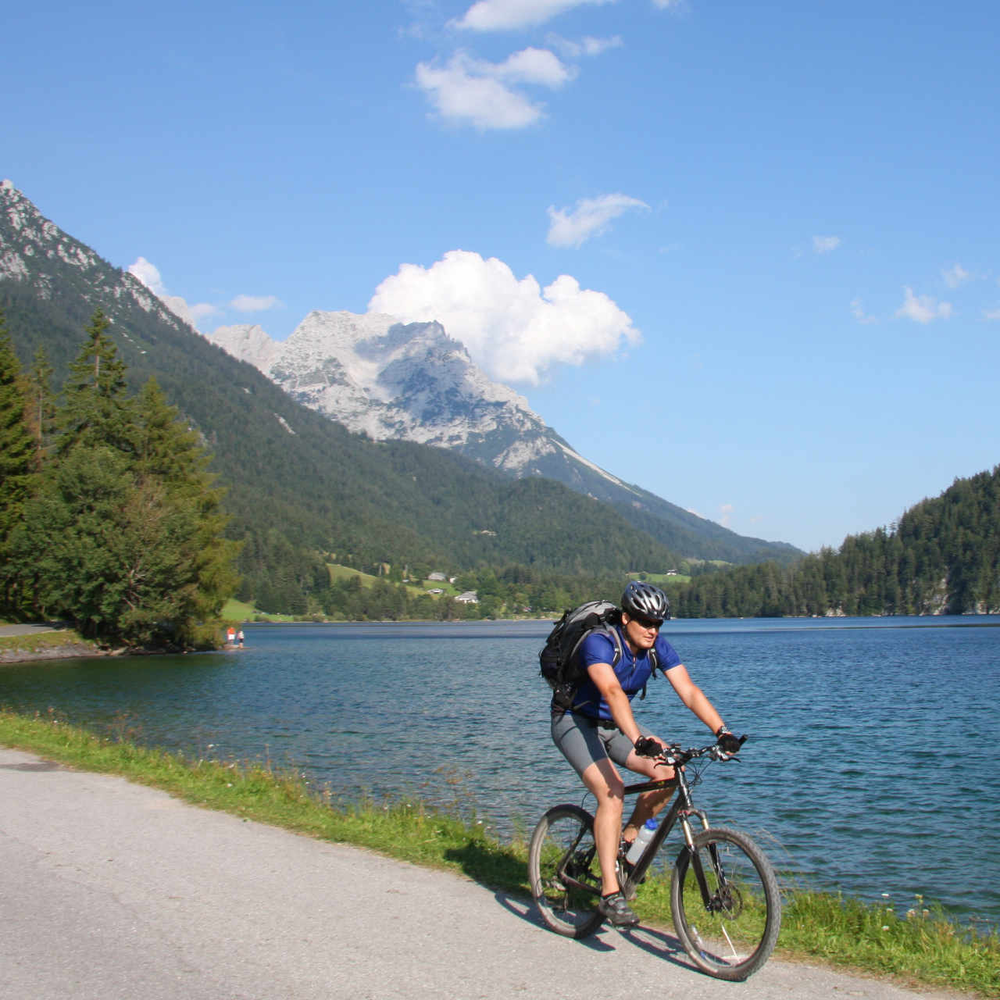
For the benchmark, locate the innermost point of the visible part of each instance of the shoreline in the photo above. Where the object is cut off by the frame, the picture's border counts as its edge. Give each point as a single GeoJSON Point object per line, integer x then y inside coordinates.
{"type": "Point", "coordinates": [821, 931]}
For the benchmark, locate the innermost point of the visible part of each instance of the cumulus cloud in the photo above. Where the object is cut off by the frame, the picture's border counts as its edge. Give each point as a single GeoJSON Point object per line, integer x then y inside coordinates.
{"type": "Point", "coordinates": [922, 308]}
{"type": "Point", "coordinates": [254, 303]}
{"type": "Point", "coordinates": [955, 275]}
{"type": "Point", "coordinates": [506, 15]}
{"type": "Point", "coordinates": [590, 217]}
{"type": "Point", "coordinates": [149, 275]}
{"type": "Point", "coordinates": [481, 93]}
{"type": "Point", "coordinates": [513, 328]}
{"type": "Point", "coordinates": [824, 244]}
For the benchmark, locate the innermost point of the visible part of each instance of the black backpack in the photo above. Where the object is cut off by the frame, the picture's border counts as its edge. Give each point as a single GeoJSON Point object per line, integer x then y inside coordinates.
{"type": "Point", "coordinates": [558, 661]}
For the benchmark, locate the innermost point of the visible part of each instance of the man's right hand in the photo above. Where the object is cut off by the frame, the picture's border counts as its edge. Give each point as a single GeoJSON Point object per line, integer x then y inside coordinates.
{"type": "Point", "coordinates": [647, 746]}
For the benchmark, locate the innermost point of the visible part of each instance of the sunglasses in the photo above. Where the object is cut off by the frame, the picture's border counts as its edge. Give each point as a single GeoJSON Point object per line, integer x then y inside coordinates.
{"type": "Point", "coordinates": [647, 622]}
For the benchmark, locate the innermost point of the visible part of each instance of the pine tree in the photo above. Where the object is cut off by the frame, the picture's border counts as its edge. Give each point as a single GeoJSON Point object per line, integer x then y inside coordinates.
{"type": "Point", "coordinates": [97, 409]}
{"type": "Point", "coordinates": [171, 468]}
{"type": "Point", "coordinates": [41, 401]}
{"type": "Point", "coordinates": [17, 456]}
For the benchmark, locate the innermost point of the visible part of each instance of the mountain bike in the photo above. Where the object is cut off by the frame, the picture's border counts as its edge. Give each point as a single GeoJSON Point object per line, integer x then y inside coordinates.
{"type": "Point", "coordinates": [724, 895]}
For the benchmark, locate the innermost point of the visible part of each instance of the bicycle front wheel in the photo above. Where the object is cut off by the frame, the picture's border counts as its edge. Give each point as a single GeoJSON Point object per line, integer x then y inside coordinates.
{"type": "Point", "coordinates": [726, 904]}
{"type": "Point", "coordinates": [564, 872]}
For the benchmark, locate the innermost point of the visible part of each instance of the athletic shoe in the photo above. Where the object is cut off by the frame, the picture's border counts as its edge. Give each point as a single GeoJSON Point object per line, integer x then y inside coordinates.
{"type": "Point", "coordinates": [617, 911]}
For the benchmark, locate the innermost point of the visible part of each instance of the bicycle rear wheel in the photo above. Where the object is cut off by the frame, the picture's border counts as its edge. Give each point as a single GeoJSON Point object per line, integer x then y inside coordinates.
{"type": "Point", "coordinates": [733, 934]}
{"type": "Point", "coordinates": [564, 872]}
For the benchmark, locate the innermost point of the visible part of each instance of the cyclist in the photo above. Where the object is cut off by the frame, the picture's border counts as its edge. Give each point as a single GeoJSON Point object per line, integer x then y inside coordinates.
{"type": "Point", "coordinates": [599, 730]}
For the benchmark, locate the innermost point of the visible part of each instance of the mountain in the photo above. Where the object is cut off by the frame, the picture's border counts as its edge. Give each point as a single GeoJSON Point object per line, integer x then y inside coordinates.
{"type": "Point", "coordinates": [298, 482]}
{"type": "Point", "coordinates": [413, 382]}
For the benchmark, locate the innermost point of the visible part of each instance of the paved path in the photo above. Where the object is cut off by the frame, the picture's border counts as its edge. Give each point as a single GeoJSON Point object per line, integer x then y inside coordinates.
{"type": "Point", "coordinates": [25, 629]}
{"type": "Point", "coordinates": [114, 891]}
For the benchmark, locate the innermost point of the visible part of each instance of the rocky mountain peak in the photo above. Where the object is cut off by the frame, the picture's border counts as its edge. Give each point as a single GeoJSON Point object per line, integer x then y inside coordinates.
{"type": "Point", "coordinates": [391, 380]}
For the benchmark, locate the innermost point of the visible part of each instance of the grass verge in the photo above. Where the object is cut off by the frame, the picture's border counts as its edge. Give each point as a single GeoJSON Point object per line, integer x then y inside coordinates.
{"type": "Point", "coordinates": [35, 643]}
{"type": "Point", "coordinates": [921, 947]}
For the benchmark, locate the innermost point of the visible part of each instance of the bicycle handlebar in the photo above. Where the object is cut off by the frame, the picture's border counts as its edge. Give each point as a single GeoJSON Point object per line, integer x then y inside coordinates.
{"type": "Point", "coordinates": [675, 756]}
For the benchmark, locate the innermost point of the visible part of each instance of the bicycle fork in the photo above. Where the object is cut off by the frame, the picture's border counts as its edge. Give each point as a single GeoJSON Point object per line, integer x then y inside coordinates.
{"type": "Point", "coordinates": [714, 902]}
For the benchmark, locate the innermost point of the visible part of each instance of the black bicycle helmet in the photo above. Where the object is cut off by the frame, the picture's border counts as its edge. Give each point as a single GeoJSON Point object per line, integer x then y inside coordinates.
{"type": "Point", "coordinates": [643, 600]}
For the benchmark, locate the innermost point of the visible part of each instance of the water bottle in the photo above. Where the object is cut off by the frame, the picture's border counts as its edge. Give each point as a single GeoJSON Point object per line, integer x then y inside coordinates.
{"type": "Point", "coordinates": [640, 842]}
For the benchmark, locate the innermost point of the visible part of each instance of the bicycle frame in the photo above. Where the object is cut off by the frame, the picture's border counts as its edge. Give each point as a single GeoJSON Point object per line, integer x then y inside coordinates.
{"type": "Point", "coordinates": [682, 808]}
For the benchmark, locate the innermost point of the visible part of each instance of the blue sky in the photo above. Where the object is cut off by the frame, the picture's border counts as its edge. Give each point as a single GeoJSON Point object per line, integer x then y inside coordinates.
{"type": "Point", "coordinates": [744, 254]}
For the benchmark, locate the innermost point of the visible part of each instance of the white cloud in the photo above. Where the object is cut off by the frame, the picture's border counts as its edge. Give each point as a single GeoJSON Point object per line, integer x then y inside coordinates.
{"type": "Point", "coordinates": [254, 303]}
{"type": "Point", "coordinates": [514, 329]}
{"type": "Point", "coordinates": [824, 244]}
{"type": "Point", "coordinates": [922, 308]}
{"type": "Point", "coordinates": [859, 313]}
{"type": "Point", "coordinates": [477, 92]}
{"type": "Point", "coordinates": [991, 314]}
{"type": "Point", "coordinates": [590, 217]}
{"type": "Point", "coordinates": [504, 15]}
{"type": "Point", "coordinates": [585, 46]}
{"type": "Point", "coordinates": [726, 514]}
{"type": "Point", "coordinates": [531, 65]}
{"type": "Point", "coordinates": [149, 274]}
{"type": "Point", "coordinates": [955, 275]}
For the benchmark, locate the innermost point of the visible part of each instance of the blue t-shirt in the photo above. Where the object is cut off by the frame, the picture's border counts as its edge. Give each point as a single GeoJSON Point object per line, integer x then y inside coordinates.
{"type": "Point", "coordinates": [632, 671]}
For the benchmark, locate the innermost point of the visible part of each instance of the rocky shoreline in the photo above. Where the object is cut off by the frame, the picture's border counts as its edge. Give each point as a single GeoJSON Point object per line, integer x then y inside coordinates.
{"type": "Point", "coordinates": [24, 643]}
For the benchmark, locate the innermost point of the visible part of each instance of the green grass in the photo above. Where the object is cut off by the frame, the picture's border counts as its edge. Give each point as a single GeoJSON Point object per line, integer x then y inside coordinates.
{"type": "Point", "coordinates": [663, 580]}
{"type": "Point", "coordinates": [919, 947]}
{"type": "Point", "coordinates": [37, 642]}
{"type": "Point", "coordinates": [237, 611]}
{"type": "Point", "coordinates": [338, 572]}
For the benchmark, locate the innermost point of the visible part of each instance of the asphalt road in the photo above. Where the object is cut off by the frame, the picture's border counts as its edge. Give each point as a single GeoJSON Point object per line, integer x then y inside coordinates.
{"type": "Point", "coordinates": [114, 891]}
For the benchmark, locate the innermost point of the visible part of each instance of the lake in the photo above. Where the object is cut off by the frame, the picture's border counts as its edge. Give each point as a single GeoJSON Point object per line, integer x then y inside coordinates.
{"type": "Point", "coordinates": [869, 768]}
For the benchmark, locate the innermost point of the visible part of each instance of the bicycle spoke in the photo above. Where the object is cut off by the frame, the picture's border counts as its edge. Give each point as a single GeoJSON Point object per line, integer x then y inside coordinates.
{"type": "Point", "coordinates": [728, 924]}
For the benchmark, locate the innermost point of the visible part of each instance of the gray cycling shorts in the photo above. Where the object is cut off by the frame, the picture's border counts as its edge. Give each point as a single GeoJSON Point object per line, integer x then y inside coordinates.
{"type": "Point", "coordinates": [583, 742]}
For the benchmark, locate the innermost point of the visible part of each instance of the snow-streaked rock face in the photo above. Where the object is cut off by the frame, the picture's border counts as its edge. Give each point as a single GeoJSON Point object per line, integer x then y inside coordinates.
{"type": "Point", "coordinates": [400, 380]}
{"type": "Point", "coordinates": [35, 251]}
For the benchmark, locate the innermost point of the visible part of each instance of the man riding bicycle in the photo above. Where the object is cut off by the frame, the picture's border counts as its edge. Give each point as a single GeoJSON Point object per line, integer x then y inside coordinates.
{"type": "Point", "coordinates": [599, 728]}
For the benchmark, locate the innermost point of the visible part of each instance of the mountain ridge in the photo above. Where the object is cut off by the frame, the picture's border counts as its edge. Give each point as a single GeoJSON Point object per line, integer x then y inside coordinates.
{"type": "Point", "coordinates": [297, 478]}
{"type": "Point", "coordinates": [390, 380]}
{"type": "Point", "coordinates": [301, 487]}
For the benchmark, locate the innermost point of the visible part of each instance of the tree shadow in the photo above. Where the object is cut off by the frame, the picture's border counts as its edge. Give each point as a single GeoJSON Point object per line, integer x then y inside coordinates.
{"type": "Point", "coordinates": [491, 865]}
{"type": "Point", "coordinates": [38, 765]}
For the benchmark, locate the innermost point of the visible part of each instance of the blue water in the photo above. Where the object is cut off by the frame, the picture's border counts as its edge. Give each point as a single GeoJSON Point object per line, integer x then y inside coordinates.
{"type": "Point", "coordinates": [869, 769]}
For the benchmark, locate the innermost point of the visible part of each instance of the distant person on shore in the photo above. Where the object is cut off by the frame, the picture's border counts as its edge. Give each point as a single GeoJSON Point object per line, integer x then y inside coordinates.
{"type": "Point", "coordinates": [239, 638]}
{"type": "Point", "coordinates": [230, 636]}
{"type": "Point", "coordinates": [599, 730]}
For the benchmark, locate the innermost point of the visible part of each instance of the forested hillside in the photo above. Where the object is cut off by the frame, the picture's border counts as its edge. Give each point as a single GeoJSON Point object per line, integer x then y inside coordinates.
{"type": "Point", "coordinates": [943, 557]}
